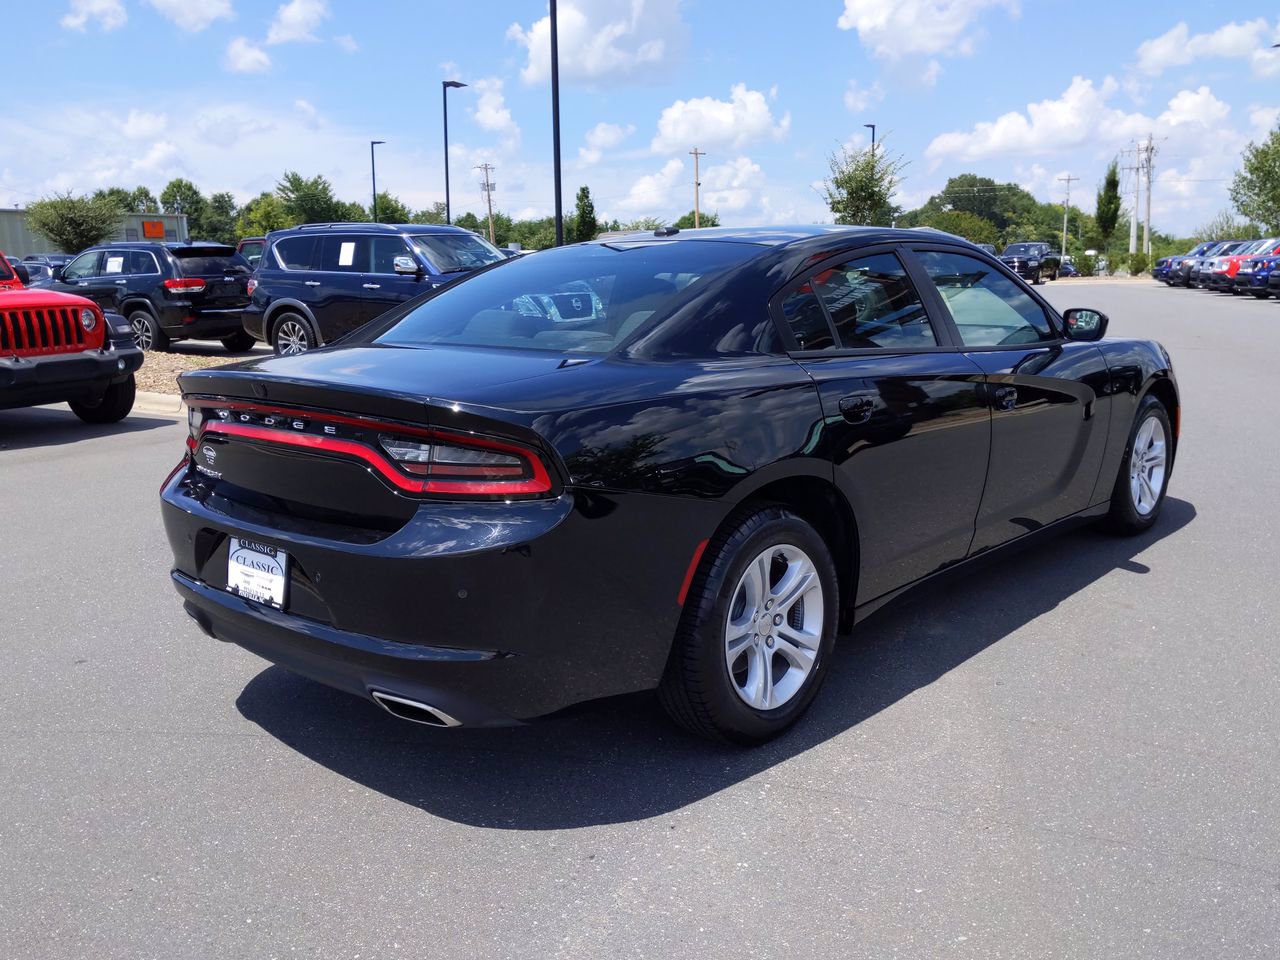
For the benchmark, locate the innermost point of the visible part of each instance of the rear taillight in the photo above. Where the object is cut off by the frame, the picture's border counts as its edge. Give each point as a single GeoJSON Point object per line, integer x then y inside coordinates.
{"type": "Point", "coordinates": [251, 286]}
{"type": "Point", "coordinates": [184, 284]}
{"type": "Point", "coordinates": [453, 461]}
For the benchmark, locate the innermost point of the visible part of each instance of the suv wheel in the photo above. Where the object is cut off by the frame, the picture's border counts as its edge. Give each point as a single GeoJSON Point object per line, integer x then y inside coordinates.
{"type": "Point", "coordinates": [292, 334]}
{"type": "Point", "coordinates": [238, 342]}
{"type": "Point", "coordinates": [147, 334]}
{"type": "Point", "coordinates": [114, 406]}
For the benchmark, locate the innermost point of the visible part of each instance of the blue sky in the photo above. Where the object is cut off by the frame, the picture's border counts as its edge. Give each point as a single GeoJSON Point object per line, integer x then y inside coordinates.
{"type": "Point", "coordinates": [230, 93]}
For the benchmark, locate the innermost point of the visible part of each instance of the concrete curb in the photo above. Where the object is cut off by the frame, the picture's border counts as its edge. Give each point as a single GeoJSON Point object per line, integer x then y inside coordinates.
{"type": "Point", "coordinates": [159, 404]}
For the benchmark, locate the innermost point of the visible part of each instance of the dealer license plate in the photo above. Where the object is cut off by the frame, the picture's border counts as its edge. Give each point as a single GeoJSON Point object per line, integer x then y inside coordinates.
{"type": "Point", "coordinates": [257, 571]}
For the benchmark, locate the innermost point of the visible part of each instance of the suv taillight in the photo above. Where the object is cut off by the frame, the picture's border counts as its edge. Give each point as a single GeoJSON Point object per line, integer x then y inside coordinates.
{"type": "Point", "coordinates": [251, 286]}
{"type": "Point", "coordinates": [184, 284]}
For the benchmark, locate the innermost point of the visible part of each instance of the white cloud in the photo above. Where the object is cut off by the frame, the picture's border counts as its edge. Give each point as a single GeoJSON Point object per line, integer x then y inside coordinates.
{"type": "Point", "coordinates": [929, 77]}
{"type": "Point", "coordinates": [857, 97]}
{"type": "Point", "coordinates": [602, 137]}
{"type": "Point", "coordinates": [605, 40]}
{"type": "Point", "coordinates": [307, 109]}
{"type": "Point", "coordinates": [1195, 106]}
{"type": "Point", "coordinates": [1263, 119]}
{"type": "Point", "coordinates": [140, 125]}
{"type": "Point", "coordinates": [193, 15]}
{"type": "Point", "coordinates": [491, 112]}
{"type": "Point", "coordinates": [109, 14]}
{"type": "Point", "coordinates": [347, 42]}
{"type": "Point", "coordinates": [243, 57]}
{"type": "Point", "coordinates": [706, 122]}
{"type": "Point", "coordinates": [297, 21]}
{"type": "Point", "coordinates": [909, 27]}
{"type": "Point", "coordinates": [1178, 46]}
{"type": "Point", "coordinates": [653, 192]}
{"type": "Point", "coordinates": [732, 186]}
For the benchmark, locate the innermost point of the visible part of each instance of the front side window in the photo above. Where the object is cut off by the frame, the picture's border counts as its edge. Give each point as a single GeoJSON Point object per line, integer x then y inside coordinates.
{"type": "Point", "coordinates": [873, 304]}
{"type": "Point", "coordinates": [385, 251]}
{"type": "Point", "coordinates": [83, 266]}
{"type": "Point", "coordinates": [579, 299]}
{"type": "Point", "coordinates": [989, 309]}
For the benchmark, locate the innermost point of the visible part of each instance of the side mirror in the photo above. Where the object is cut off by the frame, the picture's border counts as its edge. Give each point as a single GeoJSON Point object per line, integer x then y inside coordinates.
{"type": "Point", "coordinates": [1086, 325]}
{"type": "Point", "coordinates": [55, 272]}
{"type": "Point", "coordinates": [24, 275]}
{"type": "Point", "coordinates": [406, 265]}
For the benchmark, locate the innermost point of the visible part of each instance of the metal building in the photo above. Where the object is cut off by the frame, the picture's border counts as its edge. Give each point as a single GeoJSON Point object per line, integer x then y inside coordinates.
{"type": "Point", "coordinates": [17, 240]}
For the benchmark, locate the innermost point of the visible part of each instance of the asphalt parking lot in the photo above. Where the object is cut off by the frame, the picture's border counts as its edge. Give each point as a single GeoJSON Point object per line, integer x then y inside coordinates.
{"type": "Point", "coordinates": [1072, 753]}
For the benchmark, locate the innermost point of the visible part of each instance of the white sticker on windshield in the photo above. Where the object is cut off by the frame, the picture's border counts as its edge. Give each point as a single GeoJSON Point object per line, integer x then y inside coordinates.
{"type": "Point", "coordinates": [115, 264]}
{"type": "Point", "coordinates": [347, 254]}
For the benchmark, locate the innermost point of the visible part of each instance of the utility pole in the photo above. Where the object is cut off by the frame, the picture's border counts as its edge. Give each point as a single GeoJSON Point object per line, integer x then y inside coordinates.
{"type": "Point", "coordinates": [1148, 158]}
{"type": "Point", "coordinates": [697, 155]}
{"type": "Point", "coordinates": [1133, 220]}
{"type": "Point", "coordinates": [555, 121]}
{"type": "Point", "coordinates": [488, 193]}
{"type": "Point", "coordinates": [1065, 207]}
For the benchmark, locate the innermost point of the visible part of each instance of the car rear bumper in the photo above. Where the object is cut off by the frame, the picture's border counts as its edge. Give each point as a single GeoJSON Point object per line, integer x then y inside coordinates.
{"type": "Point", "coordinates": [29, 381]}
{"type": "Point", "coordinates": [493, 612]}
{"type": "Point", "coordinates": [201, 323]}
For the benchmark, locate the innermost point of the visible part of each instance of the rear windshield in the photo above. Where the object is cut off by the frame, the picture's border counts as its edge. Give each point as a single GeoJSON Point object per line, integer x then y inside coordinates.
{"type": "Point", "coordinates": [208, 261]}
{"type": "Point", "coordinates": [456, 252]}
{"type": "Point", "coordinates": [580, 299]}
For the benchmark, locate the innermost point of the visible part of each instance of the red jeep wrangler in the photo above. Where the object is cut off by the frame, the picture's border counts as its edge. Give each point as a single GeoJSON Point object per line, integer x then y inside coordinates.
{"type": "Point", "coordinates": [55, 347]}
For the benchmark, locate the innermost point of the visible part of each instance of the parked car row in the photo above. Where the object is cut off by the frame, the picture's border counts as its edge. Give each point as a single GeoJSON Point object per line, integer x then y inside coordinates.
{"type": "Point", "coordinates": [1228, 266]}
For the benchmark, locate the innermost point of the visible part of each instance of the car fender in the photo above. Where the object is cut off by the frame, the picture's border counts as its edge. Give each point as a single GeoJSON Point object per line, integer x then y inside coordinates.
{"type": "Point", "coordinates": [289, 305]}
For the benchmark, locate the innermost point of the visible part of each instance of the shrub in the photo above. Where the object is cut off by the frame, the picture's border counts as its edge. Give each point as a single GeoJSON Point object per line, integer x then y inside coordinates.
{"type": "Point", "coordinates": [1138, 263]}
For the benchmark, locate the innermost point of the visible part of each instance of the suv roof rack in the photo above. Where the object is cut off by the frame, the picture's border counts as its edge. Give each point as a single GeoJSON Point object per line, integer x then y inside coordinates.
{"type": "Point", "coordinates": [346, 224]}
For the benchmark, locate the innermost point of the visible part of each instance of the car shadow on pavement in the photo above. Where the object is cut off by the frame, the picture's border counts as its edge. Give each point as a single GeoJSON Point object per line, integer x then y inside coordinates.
{"type": "Point", "coordinates": [621, 760]}
{"type": "Point", "coordinates": [30, 427]}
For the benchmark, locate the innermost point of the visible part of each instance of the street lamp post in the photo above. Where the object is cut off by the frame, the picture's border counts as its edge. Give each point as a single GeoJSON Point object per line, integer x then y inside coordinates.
{"type": "Point", "coordinates": [445, 86]}
{"type": "Point", "coordinates": [555, 121]}
{"type": "Point", "coordinates": [872, 127]}
{"type": "Point", "coordinates": [373, 175]}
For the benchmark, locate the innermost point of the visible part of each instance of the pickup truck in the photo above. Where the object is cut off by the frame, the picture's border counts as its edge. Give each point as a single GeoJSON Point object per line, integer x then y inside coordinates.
{"type": "Point", "coordinates": [56, 347]}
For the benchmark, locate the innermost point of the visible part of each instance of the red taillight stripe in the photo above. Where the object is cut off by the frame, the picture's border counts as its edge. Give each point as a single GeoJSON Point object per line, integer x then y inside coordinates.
{"type": "Point", "coordinates": [688, 574]}
{"type": "Point", "coordinates": [540, 482]}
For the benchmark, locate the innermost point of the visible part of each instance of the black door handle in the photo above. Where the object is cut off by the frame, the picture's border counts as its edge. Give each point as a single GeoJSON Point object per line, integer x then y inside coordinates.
{"type": "Point", "coordinates": [856, 409]}
{"type": "Point", "coordinates": [1006, 398]}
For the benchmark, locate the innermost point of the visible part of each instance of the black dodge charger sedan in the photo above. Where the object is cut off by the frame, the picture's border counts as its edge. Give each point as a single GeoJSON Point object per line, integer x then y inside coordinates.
{"type": "Point", "coordinates": [682, 460]}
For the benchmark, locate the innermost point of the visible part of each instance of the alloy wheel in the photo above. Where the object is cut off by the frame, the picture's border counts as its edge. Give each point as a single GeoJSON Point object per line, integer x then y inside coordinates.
{"type": "Point", "coordinates": [142, 337]}
{"type": "Point", "coordinates": [292, 338]}
{"type": "Point", "coordinates": [1147, 465]}
{"type": "Point", "coordinates": [774, 628]}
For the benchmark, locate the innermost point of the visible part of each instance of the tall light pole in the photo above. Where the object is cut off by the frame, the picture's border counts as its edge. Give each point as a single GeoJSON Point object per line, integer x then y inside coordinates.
{"type": "Point", "coordinates": [555, 121]}
{"type": "Point", "coordinates": [872, 127]}
{"type": "Point", "coordinates": [445, 86]}
{"type": "Point", "coordinates": [373, 175]}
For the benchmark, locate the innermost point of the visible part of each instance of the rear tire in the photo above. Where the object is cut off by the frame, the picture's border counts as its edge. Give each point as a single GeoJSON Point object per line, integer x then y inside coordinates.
{"type": "Point", "coordinates": [292, 334]}
{"type": "Point", "coordinates": [1261, 294]}
{"type": "Point", "coordinates": [239, 342]}
{"type": "Point", "coordinates": [114, 406]}
{"type": "Point", "coordinates": [758, 624]}
{"type": "Point", "coordinates": [1143, 479]}
{"type": "Point", "coordinates": [147, 334]}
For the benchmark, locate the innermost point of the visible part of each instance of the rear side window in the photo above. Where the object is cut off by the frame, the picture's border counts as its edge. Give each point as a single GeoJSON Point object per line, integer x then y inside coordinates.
{"type": "Point", "coordinates": [345, 254]}
{"type": "Point", "coordinates": [297, 253]}
{"type": "Point", "coordinates": [989, 309]}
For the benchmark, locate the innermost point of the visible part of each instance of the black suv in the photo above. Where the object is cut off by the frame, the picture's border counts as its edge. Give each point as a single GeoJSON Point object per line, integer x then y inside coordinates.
{"type": "Point", "coordinates": [318, 282]}
{"type": "Point", "coordinates": [168, 291]}
{"type": "Point", "coordinates": [1032, 261]}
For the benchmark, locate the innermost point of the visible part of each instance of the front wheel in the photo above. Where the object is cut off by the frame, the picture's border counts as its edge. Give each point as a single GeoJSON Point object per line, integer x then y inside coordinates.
{"type": "Point", "coordinates": [1140, 486]}
{"type": "Point", "coordinates": [114, 406]}
{"type": "Point", "coordinates": [147, 333]}
{"type": "Point", "coordinates": [1037, 280]}
{"type": "Point", "coordinates": [238, 342]}
{"type": "Point", "coordinates": [758, 624]}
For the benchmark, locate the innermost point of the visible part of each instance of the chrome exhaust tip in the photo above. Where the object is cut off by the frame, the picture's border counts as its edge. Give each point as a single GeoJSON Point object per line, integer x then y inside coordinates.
{"type": "Point", "coordinates": [414, 711]}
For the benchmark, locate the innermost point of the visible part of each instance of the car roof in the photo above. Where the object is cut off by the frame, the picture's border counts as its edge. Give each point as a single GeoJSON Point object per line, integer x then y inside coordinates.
{"type": "Point", "coordinates": [358, 226]}
{"type": "Point", "coordinates": [780, 236]}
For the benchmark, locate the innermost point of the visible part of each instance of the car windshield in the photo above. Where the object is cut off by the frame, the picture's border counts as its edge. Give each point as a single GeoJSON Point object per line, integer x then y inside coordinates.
{"type": "Point", "coordinates": [580, 299]}
{"type": "Point", "coordinates": [456, 252]}
{"type": "Point", "coordinates": [1023, 250]}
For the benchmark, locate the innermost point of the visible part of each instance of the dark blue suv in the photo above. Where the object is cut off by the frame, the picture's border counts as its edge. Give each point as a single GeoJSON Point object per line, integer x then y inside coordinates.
{"type": "Point", "coordinates": [318, 282]}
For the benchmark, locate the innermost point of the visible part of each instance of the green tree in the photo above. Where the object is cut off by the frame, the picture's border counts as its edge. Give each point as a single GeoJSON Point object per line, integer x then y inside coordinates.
{"type": "Point", "coordinates": [262, 214]}
{"type": "Point", "coordinates": [1226, 226]}
{"type": "Point", "coordinates": [391, 209]}
{"type": "Point", "coordinates": [72, 223]}
{"type": "Point", "coordinates": [431, 214]}
{"type": "Point", "coordinates": [181, 196]}
{"type": "Point", "coordinates": [142, 200]}
{"type": "Point", "coordinates": [585, 226]}
{"type": "Point", "coordinates": [350, 212]}
{"type": "Point", "coordinates": [1108, 209]}
{"type": "Point", "coordinates": [704, 220]}
{"type": "Point", "coordinates": [1255, 189]}
{"type": "Point", "coordinates": [644, 225]}
{"type": "Point", "coordinates": [309, 199]}
{"type": "Point", "coordinates": [962, 223]}
{"type": "Point", "coordinates": [121, 197]}
{"type": "Point", "coordinates": [861, 186]}
{"type": "Point", "coordinates": [469, 221]}
{"type": "Point", "coordinates": [219, 220]}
